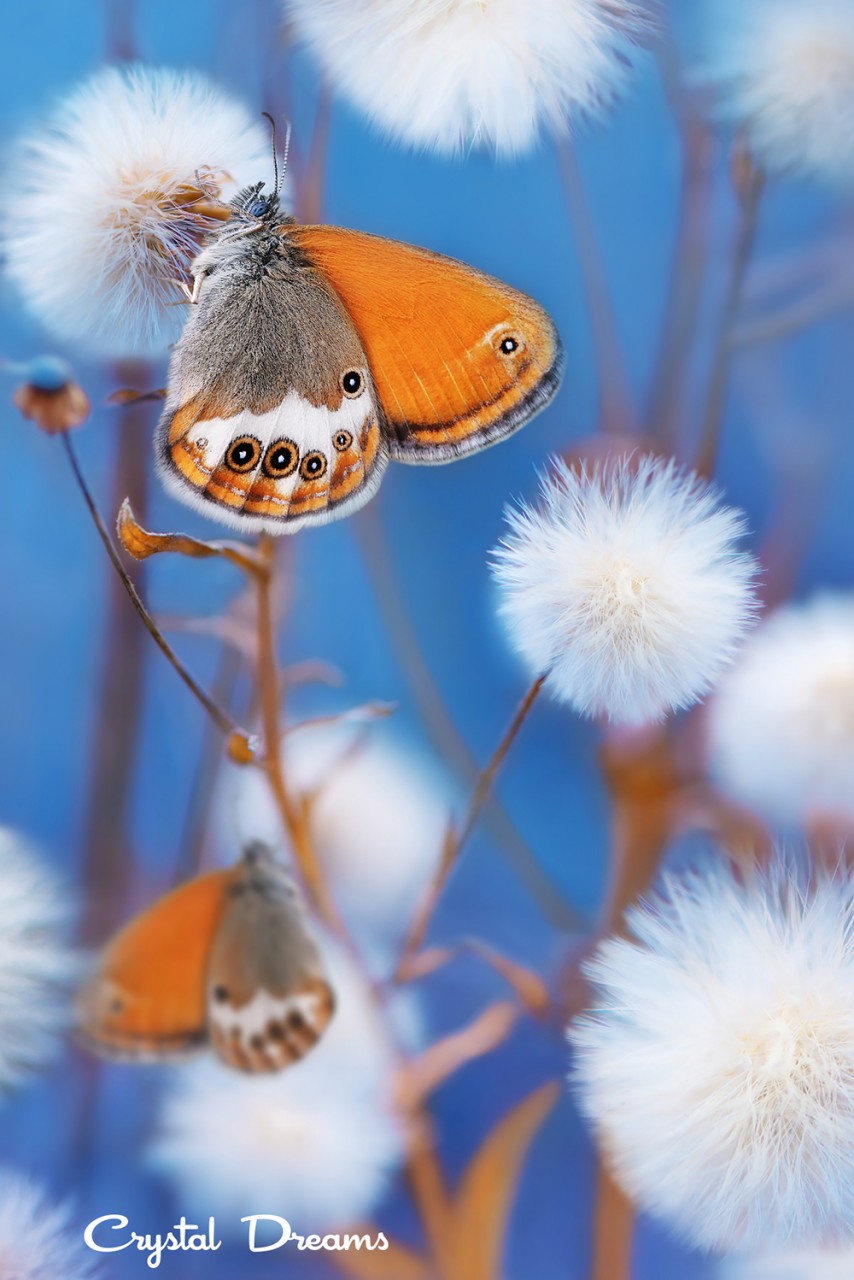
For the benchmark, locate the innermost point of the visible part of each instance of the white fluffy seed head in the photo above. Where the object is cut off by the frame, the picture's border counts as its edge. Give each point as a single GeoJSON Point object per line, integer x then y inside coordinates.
{"type": "Point", "coordinates": [449, 74]}
{"type": "Point", "coordinates": [828, 1264]}
{"type": "Point", "coordinates": [783, 70]}
{"type": "Point", "coordinates": [37, 964]}
{"type": "Point", "coordinates": [378, 816]}
{"type": "Point", "coordinates": [627, 587]}
{"type": "Point", "coordinates": [96, 220]}
{"type": "Point", "coordinates": [321, 1138]}
{"type": "Point", "coordinates": [781, 723]}
{"type": "Point", "coordinates": [37, 1241]}
{"type": "Point", "coordinates": [718, 1061]}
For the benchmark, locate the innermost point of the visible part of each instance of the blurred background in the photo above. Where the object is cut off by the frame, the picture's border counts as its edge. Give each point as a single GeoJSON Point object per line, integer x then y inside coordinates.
{"type": "Point", "coordinates": [72, 774]}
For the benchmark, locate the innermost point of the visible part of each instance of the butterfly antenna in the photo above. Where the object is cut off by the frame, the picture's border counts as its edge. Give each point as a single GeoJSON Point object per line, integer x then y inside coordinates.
{"type": "Point", "coordinates": [285, 154]}
{"type": "Point", "coordinates": [274, 141]}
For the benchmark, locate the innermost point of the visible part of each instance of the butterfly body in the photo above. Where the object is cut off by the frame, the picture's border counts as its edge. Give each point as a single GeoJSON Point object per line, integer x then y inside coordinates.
{"type": "Point", "coordinates": [314, 355]}
{"type": "Point", "coordinates": [224, 960]}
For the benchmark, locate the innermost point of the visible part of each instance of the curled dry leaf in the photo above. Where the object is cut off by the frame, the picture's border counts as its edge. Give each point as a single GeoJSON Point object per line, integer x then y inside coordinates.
{"type": "Point", "coordinates": [532, 992]}
{"type": "Point", "coordinates": [129, 395]}
{"type": "Point", "coordinates": [53, 409]}
{"type": "Point", "coordinates": [141, 544]}
{"type": "Point", "coordinates": [423, 1075]}
{"type": "Point", "coordinates": [486, 1193]}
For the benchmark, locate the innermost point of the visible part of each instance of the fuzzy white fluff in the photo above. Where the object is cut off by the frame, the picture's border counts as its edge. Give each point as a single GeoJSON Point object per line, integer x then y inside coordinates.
{"type": "Point", "coordinates": [718, 1060]}
{"type": "Point", "coordinates": [92, 235]}
{"type": "Point", "coordinates": [784, 71]}
{"type": "Point", "coordinates": [626, 586]}
{"type": "Point", "coordinates": [829, 1264]}
{"type": "Point", "coordinates": [37, 964]}
{"type": "Point", "coordinates": [781, 723]}
{"type": "Point", "coordinates": [448, 74]}
{"type": "Point", "coordinates": [37, 1241]}
{"type": "Point", "coordinates": [317, 1143]}
{"type": "Point", "coordinates": [379, 817]}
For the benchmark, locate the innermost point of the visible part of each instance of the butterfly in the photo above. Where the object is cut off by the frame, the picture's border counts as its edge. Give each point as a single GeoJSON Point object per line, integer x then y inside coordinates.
{"type": "Point", "coordinates": [225, 960]}
{"type": "Point", "coordinates": [313, 355]}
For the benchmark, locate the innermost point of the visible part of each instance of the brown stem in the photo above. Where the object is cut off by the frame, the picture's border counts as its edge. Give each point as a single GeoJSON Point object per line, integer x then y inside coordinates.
{"type": "Point", "coordinates": [686, 284]}
{"type": "Point", "coordinates": [313, 176]}
{"type": "Point", "coordinates": [616, 412]}
{"type": "Point", "coordinates": [440, 726]}
{"type": "Point", "coordinates": [107, 854]}
{"type": "Point", "coordinates": [456, 841]}
{"type": "Point", "coordinates": [750, 192]}
{"type": "Point", "coordinates": [294, 820]}
{"type": "Point", "coordinates": [613, 1230]}
{"type": "Point", "coordinates": [430, 1194]}
{"type": "Point", "coordinates": [216, 713]}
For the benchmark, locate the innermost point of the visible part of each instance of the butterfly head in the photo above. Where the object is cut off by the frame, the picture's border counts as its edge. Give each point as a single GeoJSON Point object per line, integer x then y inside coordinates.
{"type": "Point", "coordinates": [254, 206]}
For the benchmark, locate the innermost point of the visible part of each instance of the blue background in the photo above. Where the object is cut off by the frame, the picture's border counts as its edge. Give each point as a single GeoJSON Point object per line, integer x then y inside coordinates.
{"type": "Point", "coordinates": [510, 220]}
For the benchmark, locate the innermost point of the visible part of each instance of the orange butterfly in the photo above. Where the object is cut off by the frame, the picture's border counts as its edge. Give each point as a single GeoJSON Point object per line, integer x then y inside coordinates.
{"type": "Point", "coordinates": [314, 355]}
{"type": "Point", "coordinates": [225, 959]}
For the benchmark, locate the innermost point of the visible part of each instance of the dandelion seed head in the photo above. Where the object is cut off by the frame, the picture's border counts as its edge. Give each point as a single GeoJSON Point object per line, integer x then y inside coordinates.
{"type": "Point", "coordinates": [717, 1063]}
{"type": "Point", "coordinates": [781, 723]}
{"type": "Point", "coordinates": [98, 217]}
{"type": "Point", "coordinates": [36, 961]}
{"type": "Point", "coordinates": [449, 74]}
{"type": "Point", "coordinates": [626, 586]}
{"type": "Point", "coordinates": [784, 71]}
{"type": "Point", "coordinates": [37, 1241]}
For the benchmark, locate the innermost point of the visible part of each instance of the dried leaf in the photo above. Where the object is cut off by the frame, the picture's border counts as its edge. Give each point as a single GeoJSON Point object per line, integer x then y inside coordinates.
{"type": "Point", "coordinates": [529, 986]}
{"type": "Point", "coordinates": [486, 1193]}
{"type": "Point", "coordinates": [394, 1263]}
{"type": "Point", "coordinates": [129, 395]}
{"type": "Point", "coordinates": [141, 544]}
{"type": "Point", "coordinates": [424, 1074]}
{"type": "Point", "coordinates": [424, 963]}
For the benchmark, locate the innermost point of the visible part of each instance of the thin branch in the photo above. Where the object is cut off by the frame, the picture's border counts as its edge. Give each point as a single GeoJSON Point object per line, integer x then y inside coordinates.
{"type": "Point", "coordinates": [294, 820]}
{"type": "Point", "coordinates": [750, 199]}
{"type": "Point", "coordinates": [220, 718]}
{"type": "Point", "coordinates": [456, 841]}
{"type": "Point", "coordinates": [686, 283]}
{"type": "Point", "coordinates": [616, 412]}
{"type": "Point", "coordinates": [613, 1231]}
{"type": "Point", "coordinates": [313, 177]}
{"type": "Point", "coordinates": [441, 728]}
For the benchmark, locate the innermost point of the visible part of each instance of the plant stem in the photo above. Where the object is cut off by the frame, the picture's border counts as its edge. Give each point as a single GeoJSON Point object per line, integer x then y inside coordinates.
{"type": "Point", "coordinates": [216, 713]}
{"type": "Point", "coordinates": [440, 726]}
{"type": "Point", "coordinates": [456, 841]}
{"type": "Point", "coordinates": [613, 1230]}
{"type": "Point", "coordinates": [294, 819]}
{"type": "Point", "coordinates": [750, 200]}
{"type": "Point", "coordinates": [616, 412]}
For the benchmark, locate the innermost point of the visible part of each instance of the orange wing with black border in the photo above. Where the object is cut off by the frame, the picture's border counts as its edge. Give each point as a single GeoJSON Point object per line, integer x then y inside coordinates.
{"type": "Point", "coordinates": [459, 360]}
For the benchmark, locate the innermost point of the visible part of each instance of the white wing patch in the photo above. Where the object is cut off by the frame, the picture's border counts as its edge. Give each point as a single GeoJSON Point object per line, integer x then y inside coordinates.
{"type": "Point", "coordinates": [269, 1032]}
{"type": "Point", "coordinates": [295, 464]}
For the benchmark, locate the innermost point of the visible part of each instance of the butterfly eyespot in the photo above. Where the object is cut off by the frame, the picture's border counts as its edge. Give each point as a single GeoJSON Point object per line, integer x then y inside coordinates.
{"type": "Point", "coordinates": [275, 1031]}
{"type": "Point", "coordinates": [243, 454]}
{"type": "Point", "coordinates": [295, 1020]}
{"type": "Point", "coordinates": [351, 383]}
{"type": "Point", "coordinates": [281, 459]}
{"type": "Point", "coordinates": [313, 466]}
{"type": "Point", "coordinates": [508, 344]}
{"type": "Point", "coordinates": [117, 1006]}
{"type": "Point", "coordinates": [342, 441]}
{"type": "Point", "coordinates": [220, 994]}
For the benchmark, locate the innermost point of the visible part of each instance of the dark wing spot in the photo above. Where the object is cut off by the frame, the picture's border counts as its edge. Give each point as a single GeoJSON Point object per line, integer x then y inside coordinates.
{"type": "Point", "coordinates": [313, 466]}
{"type": "Point", "coordinates": [243, 453]}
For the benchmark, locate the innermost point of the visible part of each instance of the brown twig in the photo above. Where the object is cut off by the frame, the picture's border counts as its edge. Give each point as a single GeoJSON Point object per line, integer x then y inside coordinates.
{"type": "Point", "coordinates": [294, 819]}
{"type": "Point", "coordinates": [613, 1230]}
{"type": "Point", "coordinates": [440, 726]}
{"type": "Point", "coordinates": [686, 282]}
{"type": "Point", "coordinates": [220, 718]}
{"type": "Point", "coordinates": [616, 412]}
{"type": "Point", "coordinates": [456, 841]}
{"type": "Point", "coordinates": [313, 176]}
{"type": "Point", "coordinates": [750, 183]}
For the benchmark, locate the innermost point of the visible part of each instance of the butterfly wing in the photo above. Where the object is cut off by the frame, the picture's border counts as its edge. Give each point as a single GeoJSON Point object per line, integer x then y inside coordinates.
{"type": "Point", "coordinates": [271, 419]}
{"type": "Point", "coordinates": [146, 997]}
{"type": "Point", "coordinates": [458, 359]}
{"type": "Point", "coordinates": [268, 1000]}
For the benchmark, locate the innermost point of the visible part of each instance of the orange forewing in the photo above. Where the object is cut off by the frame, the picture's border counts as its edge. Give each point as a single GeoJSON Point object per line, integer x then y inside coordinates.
{"type": "Point", "coordinates": [431, 328]}
{"type": "Point", "coordinates": [147, 997]}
